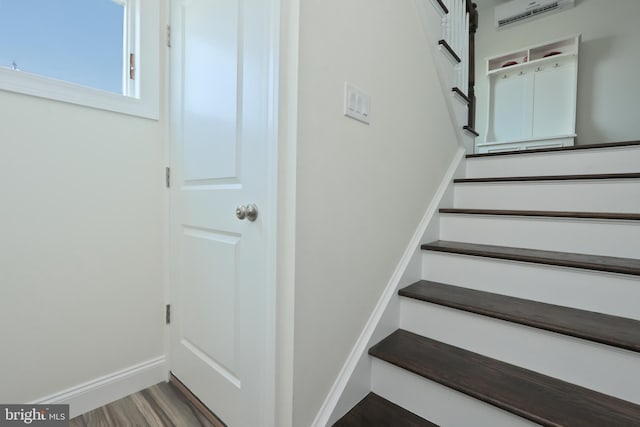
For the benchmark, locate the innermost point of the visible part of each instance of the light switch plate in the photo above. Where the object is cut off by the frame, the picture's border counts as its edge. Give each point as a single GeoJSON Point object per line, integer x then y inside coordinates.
{"type": "Point", "coordinates": [357, 104]}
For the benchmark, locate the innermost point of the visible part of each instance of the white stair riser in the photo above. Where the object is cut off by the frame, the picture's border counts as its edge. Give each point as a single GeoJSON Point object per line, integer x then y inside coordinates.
{"type": "Point", "coordinates": [460, 108]}
{"type": "Point", "coordinates": [610, 160]}
{"type": "Point", "coordinates": [595, 366]}
{"type": "Point", "coordinates": [615, 294]}
{"type": "Point", "coordinates": [599, 195]}
{"type": "Point", "coordinates": [437, 403]}
{"type": "Point", "coordinates": [468, 140]}
{"type": "Point", "coordinates": [446, 66]}
{"type": "Point", "coordinates": [587, 236]}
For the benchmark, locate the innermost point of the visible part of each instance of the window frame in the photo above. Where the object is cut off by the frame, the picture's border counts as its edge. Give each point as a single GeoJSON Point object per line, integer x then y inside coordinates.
{"type": "Point", "coordinates": [140, 96]}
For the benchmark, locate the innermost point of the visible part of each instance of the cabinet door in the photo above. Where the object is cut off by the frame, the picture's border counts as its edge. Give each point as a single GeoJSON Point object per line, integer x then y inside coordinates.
{"type": "Point", "coordinates": [554, 100]}
{"type": "Point", "coordinates": [511, 107]}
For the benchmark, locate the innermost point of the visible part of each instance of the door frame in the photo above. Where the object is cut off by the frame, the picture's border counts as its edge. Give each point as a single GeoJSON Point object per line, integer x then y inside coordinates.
{"type": "Point", "coordinates": [268, 211]}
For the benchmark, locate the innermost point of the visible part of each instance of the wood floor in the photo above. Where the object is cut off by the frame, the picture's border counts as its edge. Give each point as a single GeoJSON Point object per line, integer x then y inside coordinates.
{"type": "Point", "coordinates": [158, 406]}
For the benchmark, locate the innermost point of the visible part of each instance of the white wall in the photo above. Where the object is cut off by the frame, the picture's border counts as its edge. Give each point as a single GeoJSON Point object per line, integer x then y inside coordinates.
{"type": "Point", "coordinates": [608, 87]}
{"type": "Point", "coordinates": [361, 190]}
{"type": "Point", "coordinates": [81, 226]}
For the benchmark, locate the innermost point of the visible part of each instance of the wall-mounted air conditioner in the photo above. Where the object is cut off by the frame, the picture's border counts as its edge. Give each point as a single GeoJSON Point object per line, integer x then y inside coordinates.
{"type": "Point", "coordinates": [517, 11]}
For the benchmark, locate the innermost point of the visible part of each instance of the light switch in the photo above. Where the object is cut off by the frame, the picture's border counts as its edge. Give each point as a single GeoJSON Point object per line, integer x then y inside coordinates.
{"type": "Point", "coordinates": [356, 103]}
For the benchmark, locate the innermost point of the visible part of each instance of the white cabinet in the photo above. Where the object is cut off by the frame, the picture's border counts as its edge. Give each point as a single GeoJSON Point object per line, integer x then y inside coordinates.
{"type": "Point", "coordinates": [532, 97]}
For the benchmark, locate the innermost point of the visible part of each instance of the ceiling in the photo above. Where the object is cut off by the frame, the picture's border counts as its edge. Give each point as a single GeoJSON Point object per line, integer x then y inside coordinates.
{"type": "Point", "coordinates": [482, 4]}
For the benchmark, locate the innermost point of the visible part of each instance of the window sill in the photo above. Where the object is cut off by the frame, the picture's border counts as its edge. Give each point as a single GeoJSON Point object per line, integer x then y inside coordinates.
{"type": "Point", "coordinates": [44, 87]}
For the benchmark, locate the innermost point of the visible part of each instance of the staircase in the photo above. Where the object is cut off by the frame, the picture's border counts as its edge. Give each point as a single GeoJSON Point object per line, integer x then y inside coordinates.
{"type": "Point", "coordinates": [528, 311]}
{"type": "Point", "coordinates": [450, 26]}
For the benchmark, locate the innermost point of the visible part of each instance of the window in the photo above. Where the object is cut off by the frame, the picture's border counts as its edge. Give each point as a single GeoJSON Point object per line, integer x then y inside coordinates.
{"type": "Point", "coordinates": [98, 53]}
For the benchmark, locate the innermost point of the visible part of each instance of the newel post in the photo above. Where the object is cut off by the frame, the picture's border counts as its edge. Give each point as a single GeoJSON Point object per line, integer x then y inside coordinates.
{"type": "Point", "coordinates": [472, 9]}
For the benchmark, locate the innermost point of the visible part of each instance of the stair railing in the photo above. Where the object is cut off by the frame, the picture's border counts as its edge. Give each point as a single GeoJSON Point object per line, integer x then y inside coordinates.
{"type": "Point", "coordinates": [459, 25]}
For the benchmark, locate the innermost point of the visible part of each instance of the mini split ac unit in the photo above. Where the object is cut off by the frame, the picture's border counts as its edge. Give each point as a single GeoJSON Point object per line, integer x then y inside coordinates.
{"type": "Point", "coordinates": [517, 11]}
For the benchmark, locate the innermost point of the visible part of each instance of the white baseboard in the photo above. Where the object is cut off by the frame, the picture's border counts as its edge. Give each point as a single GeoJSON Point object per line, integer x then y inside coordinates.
{"type": "Point", "coordinates": [362, 344]}
{"type": "Point", "coordinates": [101, 391]}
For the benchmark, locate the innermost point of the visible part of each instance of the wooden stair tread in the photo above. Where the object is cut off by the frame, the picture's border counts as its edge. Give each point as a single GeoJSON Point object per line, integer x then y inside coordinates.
{"type": "Point", "coordinates": [551, 214]}
{"type": "Point", "coordinates": [374, 410]}
{"type": "Point", "coordinates": [539, 398]}
{"type": "Point", "coordinates": [449, 49]}
{"type": "Point", "coordinates": [461, 94]}
{"type": "Point", "coordinates": [471, 130]}
{"type": "Point", "coordinates": [443, 7]}
{"type": "Point", "coordinates": [602, 328]}
{"type": "Point", "coordinates": [563, 259]}
{"type": "Point", "coordinates": [547, 150]}
{"type": "Point", "coordinates": [599, 176]}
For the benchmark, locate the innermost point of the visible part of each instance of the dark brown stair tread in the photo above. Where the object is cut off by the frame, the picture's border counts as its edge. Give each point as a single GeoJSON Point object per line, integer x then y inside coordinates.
{"type": "Point", "coordinates": [553, 214]}
{"type": "Point", "coordinates": [443, 7]}
{"type": "Point", "coordinates": [603, 328]}
{"type": "Point", "coordinates": [449, 49]}
{"type": "Point", "coordinates": [564, 259]}
{"type": "Point", "coordinates": [471, 130]}
{"type": "Point", "coordinates": [539, 398]}
{"type": "Point", "coordinates": [598, 176]}
{"type": "Point", "coordinates": [547, 150]}
{"type": "Point", "coordinates": [376, 411]}
{"type": "Point", "coordinates": [461, 94]}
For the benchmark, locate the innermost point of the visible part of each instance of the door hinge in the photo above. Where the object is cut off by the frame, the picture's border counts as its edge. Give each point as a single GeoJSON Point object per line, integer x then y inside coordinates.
{"type": "Point", "coordinates": [168, 35]}
{"type": "Point", "coordinates": [167, 177]}
{"type": "Point", "coordinates": [132, 66]}
{"type": "Point", "coordinates": [167, 314]}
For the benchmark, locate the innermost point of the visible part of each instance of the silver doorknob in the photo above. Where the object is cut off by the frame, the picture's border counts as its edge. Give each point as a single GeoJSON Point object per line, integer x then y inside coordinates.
{"type": "Point", "coordinates": [241, 212]}
{"type": "Point", "coordinates": [249, 212]}
{"type": "Point", "coordinates": [252, 212]}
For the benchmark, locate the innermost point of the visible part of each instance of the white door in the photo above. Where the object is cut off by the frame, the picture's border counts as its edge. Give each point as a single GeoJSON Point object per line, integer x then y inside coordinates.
{"type": "Point", "coordinates": [221, 85]}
